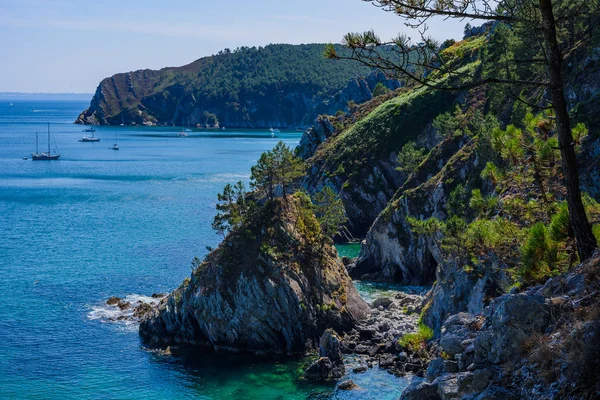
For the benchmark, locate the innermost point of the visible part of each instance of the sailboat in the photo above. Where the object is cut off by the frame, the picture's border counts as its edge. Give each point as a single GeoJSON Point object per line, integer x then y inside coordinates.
{"type": "Point", "coordinates": [43, 156]}
{"type": "Point", "coordinates": [89, 138]}
{"type": "Point", "coordinates": [187, 127]}
{"type": "Point", "coordinates": [115, 145]}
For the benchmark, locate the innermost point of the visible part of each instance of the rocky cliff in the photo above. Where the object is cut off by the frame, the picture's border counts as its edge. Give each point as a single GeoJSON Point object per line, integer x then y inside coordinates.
{"type": "Point", "coordinates": [537, 344]}
{"type": "Point", "coordinates": [272, 287]}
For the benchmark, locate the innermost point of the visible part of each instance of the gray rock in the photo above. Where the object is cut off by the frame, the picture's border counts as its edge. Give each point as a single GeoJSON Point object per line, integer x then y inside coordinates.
{"type": "Point", "coordinates": [421, 391]}
{"type": "Point", "coordinates": [386, 361]}
{"type": "Point", "coordinates": [383, 302]}
{"type": "Point", "coordinates": [323, 369]}
{"type": "Point", "coordinates": [347, 385]}
{"type": "Point", "coordinates": [450, 366]}
{"type": "Point", "coordinates": [435, 369]}
{"type": "Point", "coordinates": [359, 369]}
{"type": "Point", "coordinates": [451, 344]}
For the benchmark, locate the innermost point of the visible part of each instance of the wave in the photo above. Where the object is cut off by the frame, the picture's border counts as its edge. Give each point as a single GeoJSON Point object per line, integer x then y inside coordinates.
{"type": "Point", "coordinates": [113, 314]}
{"type": "Point", "coordinates": [43, 110]}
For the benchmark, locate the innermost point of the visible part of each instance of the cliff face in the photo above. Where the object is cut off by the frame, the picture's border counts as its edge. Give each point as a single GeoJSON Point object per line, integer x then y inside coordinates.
{"type": "Point", "coordinates": [281, 86]}
{"type": "Point", "coordinates": [273, 286]}
{"type": "Point", "coordinates": [538, 344]}
{"type": "Point", "coordinates": [360, 161]}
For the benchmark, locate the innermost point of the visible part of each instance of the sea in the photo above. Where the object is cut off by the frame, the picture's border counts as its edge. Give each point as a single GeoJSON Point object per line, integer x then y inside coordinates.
{"type": "Point", "coordinates": [98, 223]}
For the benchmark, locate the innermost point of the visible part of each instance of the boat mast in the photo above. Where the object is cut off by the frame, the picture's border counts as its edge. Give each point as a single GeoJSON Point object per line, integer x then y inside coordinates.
{"type": "Point", "coordinates": [37, 150]}
{"type": "Point", "coordinates": [48, 138]}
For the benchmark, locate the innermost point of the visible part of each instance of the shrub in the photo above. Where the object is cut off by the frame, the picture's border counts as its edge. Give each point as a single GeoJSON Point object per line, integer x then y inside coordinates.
{"type": "Point", "coordinates": [417, 342]}
{"type": "Point", "coordinates": [539, 255]}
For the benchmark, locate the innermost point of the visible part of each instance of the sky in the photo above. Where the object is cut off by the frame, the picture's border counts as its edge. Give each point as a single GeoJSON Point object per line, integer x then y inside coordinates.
{"type": "Point", "coordinates": [69, 46]}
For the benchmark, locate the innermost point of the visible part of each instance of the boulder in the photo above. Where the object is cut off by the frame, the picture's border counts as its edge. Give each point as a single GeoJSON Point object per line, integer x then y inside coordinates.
{"type": "Point", "coordinates": [347, 385]}
{"type": "Point", "coordinates": [421, 390]}
{"type": "Point", "coordinates": [113, 301]}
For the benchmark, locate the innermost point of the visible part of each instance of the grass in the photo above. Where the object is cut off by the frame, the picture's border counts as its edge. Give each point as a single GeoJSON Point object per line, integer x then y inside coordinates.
{"type": "Point", "coordinates": [416, 342]}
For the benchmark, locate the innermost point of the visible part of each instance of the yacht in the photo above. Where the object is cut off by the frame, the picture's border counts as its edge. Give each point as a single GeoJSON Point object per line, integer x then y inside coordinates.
{"type": "Point", "coordinates": [43, 155]}
{"type": "Point", "coordinates": [183, 134]}
{"type": "Point", "coordinates": [89, 130]}
{"type": "Point", "coordinates": [274, 130]}
{"type": "Point", "coordinates": [89, 138]}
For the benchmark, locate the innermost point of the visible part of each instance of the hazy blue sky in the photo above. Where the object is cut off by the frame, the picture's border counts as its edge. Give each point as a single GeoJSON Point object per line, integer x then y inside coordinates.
{"type": "Point", "coordinates": [70, 45]}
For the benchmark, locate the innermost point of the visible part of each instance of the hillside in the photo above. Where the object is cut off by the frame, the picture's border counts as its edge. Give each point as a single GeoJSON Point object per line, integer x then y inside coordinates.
{"type": "Point", "coordinates": [282, 86]}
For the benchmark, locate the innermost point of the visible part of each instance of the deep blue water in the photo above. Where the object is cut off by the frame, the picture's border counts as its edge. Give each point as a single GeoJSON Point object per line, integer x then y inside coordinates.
{"type": "Point", "coordinates": [98, 223]}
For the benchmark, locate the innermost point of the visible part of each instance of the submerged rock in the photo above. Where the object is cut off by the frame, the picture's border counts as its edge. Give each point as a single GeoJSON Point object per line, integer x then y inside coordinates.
{"type": "Point", "coordinates": [272, 287]}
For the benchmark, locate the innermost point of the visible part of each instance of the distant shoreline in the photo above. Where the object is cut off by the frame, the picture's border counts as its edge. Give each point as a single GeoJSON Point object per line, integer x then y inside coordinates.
{"type": "Point", "coordinates": [45, 96]}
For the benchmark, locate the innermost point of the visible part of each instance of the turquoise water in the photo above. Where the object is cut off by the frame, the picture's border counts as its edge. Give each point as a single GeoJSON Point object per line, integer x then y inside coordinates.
{"type": "Point", "coordinates": [350, 250]}
{"type": "Point", "coordinates": [99, 223]}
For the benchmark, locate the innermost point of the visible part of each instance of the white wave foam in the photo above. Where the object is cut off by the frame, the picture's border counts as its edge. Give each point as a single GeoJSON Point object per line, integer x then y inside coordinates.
{"type": "Point", "coordinates": [114, 314]}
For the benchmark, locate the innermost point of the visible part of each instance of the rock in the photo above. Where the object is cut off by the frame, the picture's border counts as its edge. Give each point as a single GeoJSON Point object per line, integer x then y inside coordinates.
{"type": "Point", "coordinates": [402, 357]}
{"type": "Point", "coordinates": [383, 302]}
{"type": "Point", "coordinates": [322, 369]}
{"type": "Point", "coordinates": [434, 369]}
{"type": "Point", "coordinates": [373, 350]}
{"type": "Point", "coordinates": [421, 391]}
{"type": "Point", "coordinates": [124, 305]}
{"type": "Point", "coordinates": [245, 298]}
{"type": "Point", "coordinates": [158, 295]}
{"type": "Point", "coordinates": [496, 393]}
{"type": "Point", "coordinates": [360, 369]}
{"type": "Point", "coordinates": [347, 385]}
{"type": "Point", "coordinates": [142, 310]}
{"type": "Point", "coordinates": [450, 366]}
{"type": "Point", "coordinates": [367, 333]}
{"type": "Point", "coordinates": [451, 344]}
{"type": "Point", "coordinates": [386, 361]}
{"type": "Point", "coordinates": [113, 301]}
{"type": "Point", "coordinates": [329, 346]}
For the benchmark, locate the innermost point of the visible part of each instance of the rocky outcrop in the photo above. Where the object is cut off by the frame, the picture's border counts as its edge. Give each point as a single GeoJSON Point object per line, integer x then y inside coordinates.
{"type": "Point", "coordinates": [330, 364]}
{"type": "Point", "coordinates": [314, 136]}
{"type": "Point", "coordinates": [272, 287]}
{"type": "Point", "coordinates": [391, 251]}
{"type": "Point", "coordinates": [537, 344]}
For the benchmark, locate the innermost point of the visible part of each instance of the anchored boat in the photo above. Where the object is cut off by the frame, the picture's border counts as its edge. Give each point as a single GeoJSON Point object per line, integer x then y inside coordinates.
{"type": "Point", "coordinates": [43, 156]}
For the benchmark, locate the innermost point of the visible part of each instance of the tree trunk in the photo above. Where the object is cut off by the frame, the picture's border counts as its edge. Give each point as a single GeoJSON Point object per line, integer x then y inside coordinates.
{"type": "Point", "coordinates": [586, 242]}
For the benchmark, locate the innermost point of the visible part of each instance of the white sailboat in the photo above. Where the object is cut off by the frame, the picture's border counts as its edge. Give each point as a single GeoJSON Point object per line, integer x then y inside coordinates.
{"type": "Point", "coordinates": [115, 145]}
{"type": "Point", "coordinates": [43, 156]}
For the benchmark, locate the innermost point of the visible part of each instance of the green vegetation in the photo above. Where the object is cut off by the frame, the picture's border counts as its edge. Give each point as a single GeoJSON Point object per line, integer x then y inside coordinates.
{"type": "Point", "coordinates": [279, 167]}
{"type": "Point", "coordinates": [380, 89]}
{"type": "Point", "coordinates": [236, 87]}
{"type": "Point", "coordinates": [232, 207]}
{"type": "Point", "coordinates": [416, 342]}
{"type": "Point", "coordinates": [330, 212]}
{"type": "Point", "coordinates": [410, 157]}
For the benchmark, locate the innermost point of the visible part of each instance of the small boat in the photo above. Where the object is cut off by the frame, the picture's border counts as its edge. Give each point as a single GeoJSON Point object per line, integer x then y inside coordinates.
{"type": "Point", "coordinates": [115, 145]}
{"type": "Point", "coordinates": [11, 104]}
{"type": "Point", "coordinates": [25, 158]}
{"type": "Point", "coordinates": [43, 156]}
{"type": "Point", "coordinates": [274, 130]}
{"type": "Point", "coordinates": [92, 138]}
{"type": "Point", "coordinates": [89, 130]}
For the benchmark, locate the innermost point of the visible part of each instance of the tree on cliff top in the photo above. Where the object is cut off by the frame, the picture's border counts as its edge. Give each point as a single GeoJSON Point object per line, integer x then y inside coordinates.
{"type": "Point", "coordinates": [544, 32]}
{"type": "Point", "coordinates": [279, 167]}
{"type": "Point", "coordinates": [330, 211]}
